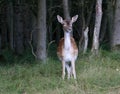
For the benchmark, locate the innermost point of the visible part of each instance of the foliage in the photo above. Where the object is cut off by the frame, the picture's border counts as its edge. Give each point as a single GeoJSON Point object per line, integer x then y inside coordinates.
{"type": "Point", "coordinates": [8, 57]}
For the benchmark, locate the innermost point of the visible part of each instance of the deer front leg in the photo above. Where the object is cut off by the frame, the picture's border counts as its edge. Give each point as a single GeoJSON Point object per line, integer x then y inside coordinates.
{"type": "Point", "coordinates": [63, 69]}
{"type": "Point", "coordinates": [73, 69]}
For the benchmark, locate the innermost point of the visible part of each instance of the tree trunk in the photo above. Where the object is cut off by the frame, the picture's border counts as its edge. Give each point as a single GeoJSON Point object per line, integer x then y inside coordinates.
{"type": "Point", "coordinates": [27, 27]}
{"type": "Point", "coordinates": [95, 45]}
{"type": "Point", "coordinates": [115, 42]}
{"type": "Point", "coordinates": [58, 33]}
{"type": "Point", "coordinates": [66, 9]}
{"type": "Point", "coordinates": [81, 26]}
{"type": "Point", "coordinates": [10, 24]}
{"type": "Point", "coordinates": [85, 40]}
{"type": "Point", "coordinates": [18, 28]}
{"type": "Point", "coordinates": [0, 45]}
{"type": "Point", "coordinates": [104, 28]}
{"type": "Point", "coordinates": [41, 42]}
{"type": "Point", "coordinates": [3, 29]}
{"type": "Point", "coordinates": [50, 22]}
{"type": "Point", "coordinates": [110, 20]}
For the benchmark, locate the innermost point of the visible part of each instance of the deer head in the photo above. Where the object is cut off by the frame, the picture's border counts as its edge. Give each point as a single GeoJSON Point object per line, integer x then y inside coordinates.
{"type": "Point", "coordinates": [67, 24]}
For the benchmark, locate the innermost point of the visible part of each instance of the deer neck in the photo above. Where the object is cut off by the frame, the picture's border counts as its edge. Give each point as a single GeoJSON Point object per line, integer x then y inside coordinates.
{"type": "Point", "coordinates": [67, 41]}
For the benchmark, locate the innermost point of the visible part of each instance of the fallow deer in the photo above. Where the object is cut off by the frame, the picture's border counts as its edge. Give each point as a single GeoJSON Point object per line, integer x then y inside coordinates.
{"type": "Point", "coordinates": [67, 50]}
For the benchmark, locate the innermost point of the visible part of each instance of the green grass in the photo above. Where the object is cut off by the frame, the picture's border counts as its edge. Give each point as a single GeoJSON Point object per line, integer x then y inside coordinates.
{"type": "Point", "coordinates": [95, 75]}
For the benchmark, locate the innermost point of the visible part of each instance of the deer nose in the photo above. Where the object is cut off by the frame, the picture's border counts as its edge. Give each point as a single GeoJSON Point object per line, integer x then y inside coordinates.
{"type": "Point", "coordinates": [70, 28]}
{"type": "Point", "coordinates": [67, 28]}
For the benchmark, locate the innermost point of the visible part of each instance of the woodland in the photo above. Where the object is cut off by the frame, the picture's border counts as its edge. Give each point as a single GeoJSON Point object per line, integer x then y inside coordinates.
{"type": "Point", "coordinates": [33, 23]}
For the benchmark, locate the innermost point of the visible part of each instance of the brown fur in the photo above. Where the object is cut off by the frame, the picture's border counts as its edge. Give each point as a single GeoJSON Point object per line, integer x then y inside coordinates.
{"type": "Point", "coordinates": [61, 46]}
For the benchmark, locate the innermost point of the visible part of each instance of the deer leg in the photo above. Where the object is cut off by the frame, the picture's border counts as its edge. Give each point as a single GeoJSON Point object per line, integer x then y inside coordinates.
{"type": "Point", "coordinates": [63, 69]}
{"type": "Point", "coordinates": [73, 69]}
{"type": "Point", "coordinates": [68, 70]}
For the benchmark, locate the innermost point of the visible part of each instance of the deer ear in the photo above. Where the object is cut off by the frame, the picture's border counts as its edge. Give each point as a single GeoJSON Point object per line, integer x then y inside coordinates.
{"type": "Point", "coordinates": [60, 19]}
{"type": "Point", "coordinates": [74, 18]}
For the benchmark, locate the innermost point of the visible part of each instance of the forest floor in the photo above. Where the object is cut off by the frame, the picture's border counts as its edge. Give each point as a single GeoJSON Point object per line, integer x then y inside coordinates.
{"type": "Point", "coordinates": [95, 75]}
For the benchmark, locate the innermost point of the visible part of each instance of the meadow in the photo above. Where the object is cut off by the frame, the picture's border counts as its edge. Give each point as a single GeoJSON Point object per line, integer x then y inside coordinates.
{"type": "Point", "coordinates": [25, 75]}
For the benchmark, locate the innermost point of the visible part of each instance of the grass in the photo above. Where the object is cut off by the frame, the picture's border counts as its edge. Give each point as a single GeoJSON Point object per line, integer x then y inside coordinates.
{"type": "Point", "coordinates": [24, 75]}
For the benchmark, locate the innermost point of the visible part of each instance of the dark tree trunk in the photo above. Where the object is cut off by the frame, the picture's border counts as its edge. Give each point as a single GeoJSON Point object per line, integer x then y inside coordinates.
{"type": "Point", "coordinates": [27, 25]}
{"type": "Point", "coordinates": [84, 22]}
{"type": "Point", "coordinates": [10, 24]}
{"type": "Point", "coordinates": [81, 26]}
{"type": "Point", "coordinates": [41, 40]}
{"type": "Point", "coordinates": [3, 26]}
{"type": "Point", "coordinates": [104, 28]}
{"type": "Point", "coordinates": [50, 22]}
{"type": "Point", "coordinates": [0, 45]}
{"type": "Point", "coordinates": [66, 9]}
{"type": "Point", "coordinates": [18, 28]}
{"type": "Point", "coordinates": [110, 19]}
{"type": "Point", "coordinates": [58, 34]}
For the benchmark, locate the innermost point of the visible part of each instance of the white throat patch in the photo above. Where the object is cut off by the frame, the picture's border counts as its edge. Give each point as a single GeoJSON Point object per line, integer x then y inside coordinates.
{"type": "Point", "coordinates": [67, 41]}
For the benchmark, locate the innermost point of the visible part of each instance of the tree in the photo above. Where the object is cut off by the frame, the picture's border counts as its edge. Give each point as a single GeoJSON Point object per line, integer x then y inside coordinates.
{"type": "Point", "coordinates": [86, 9]}
{"type": "Point", "coordinates": [95, 46]}
{"type": "Point", "coordinates": [10, 24]}
{"type": "Point", "coordinates": [18, 27]}
{"type": "Point", "coordinates": [41, 38]}
{"type": "Point", "coordinates": [115, 37]}
{"type": "Point", "coordinates": [85, 40]}
{"type": "Point", "coordinates": [66, 9]}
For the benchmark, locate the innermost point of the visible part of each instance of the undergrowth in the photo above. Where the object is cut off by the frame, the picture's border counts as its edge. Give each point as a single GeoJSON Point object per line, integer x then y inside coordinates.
{"type": "Point", "coordinates": [25, 75]}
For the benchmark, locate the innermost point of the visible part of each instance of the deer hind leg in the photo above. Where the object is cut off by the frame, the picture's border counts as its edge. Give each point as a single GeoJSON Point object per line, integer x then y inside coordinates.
{"type": "Point", "coordinates": [69, 72]}
{"type": "Point", "coordinates": [73, 69]}
{"type": "Point", "coordinates": [63, 69]}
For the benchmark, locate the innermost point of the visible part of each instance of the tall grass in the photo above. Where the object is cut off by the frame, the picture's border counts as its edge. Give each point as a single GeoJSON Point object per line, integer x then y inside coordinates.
{"type": "Point", "coordinates": [25, 75]}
